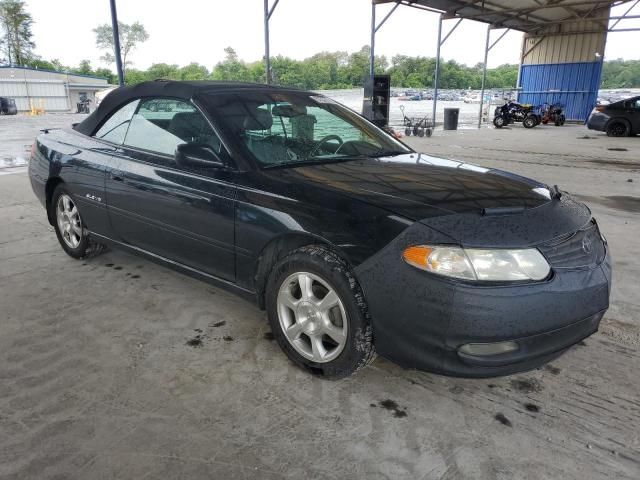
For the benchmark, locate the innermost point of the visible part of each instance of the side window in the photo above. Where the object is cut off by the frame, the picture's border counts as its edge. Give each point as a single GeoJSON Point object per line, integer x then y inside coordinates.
{"type": "Point", "coordinates": [115, 128]}
{"type": "Point", "coordinates": [161, 124]}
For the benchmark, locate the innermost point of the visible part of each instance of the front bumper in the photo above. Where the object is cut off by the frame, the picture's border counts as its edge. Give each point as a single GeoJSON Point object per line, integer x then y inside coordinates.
{"type": "Point", "coordinates": [424, 327]}
{"type": "Point", "coordinates": [597, 121]}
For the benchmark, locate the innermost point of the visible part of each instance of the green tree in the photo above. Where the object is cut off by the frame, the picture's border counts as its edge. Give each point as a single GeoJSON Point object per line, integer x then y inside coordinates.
{"type": "Point", "coordinates": [231, 68]}
{"type": "Point", "coordinates": [193, 71]}
{"type": "Point", "coordinates": [621, 74]}
{"type": "Point", "coordinates": [106, 73]}
{"type": "Point", "coordinates": [164, 71]}
{"type": "Point", "coordinates": [16, 42]}
{"type": "Point", "coordinates": [40, 64]}
{"type": "Point", "coordinates": [333, 70]}
{"type": "Point", "coordinates": [133, 76]}
{"type": "Point", "coordinates": [130, 37]}
{"type": "Point", "coordinates": [84, 68]}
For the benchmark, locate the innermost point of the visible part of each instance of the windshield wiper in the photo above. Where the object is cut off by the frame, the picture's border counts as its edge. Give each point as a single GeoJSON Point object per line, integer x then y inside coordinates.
{"type": "Point", "coordinates": [387, 153]}
{"type": "Point", "coordinates": [312, 161]}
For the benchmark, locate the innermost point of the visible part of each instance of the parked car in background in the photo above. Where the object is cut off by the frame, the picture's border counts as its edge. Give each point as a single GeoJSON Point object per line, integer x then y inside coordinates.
{"type": "Point", "coordinates": [8, 106]}
{"type": "Point", "coordinates": [619, 119]}
{"type": "Point", "coordinates": [352, 242]}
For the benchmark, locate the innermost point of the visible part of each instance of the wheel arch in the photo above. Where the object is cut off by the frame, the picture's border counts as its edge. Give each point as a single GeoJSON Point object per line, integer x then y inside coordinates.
{"type": "Point", "coordinates": [278, 248]}
{"type": "Point", "coordinates": [613, 120]}
{"type": "Point", "coordinates": [49, 188]}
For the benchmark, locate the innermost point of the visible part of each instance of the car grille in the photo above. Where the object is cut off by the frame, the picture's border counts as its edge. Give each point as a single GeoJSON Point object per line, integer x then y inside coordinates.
{"type": "Point", "coordinates": [584, 248]}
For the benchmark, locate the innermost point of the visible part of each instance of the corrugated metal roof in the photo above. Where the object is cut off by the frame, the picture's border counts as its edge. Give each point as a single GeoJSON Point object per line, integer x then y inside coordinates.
{"type": "Point", "coordinates": [571, 48]}
{"type": "Point", "coordinates": [5, 68]}
{"type": "Point", "coordinates": [525, 15]}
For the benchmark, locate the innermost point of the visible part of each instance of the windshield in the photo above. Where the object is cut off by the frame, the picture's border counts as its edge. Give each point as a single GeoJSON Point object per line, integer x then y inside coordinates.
{"type": "Point", "coordinates": [280, 129]}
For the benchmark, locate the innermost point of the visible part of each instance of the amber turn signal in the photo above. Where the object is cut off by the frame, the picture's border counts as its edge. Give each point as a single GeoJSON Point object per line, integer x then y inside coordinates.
{"type": "Point", "coordinates": [417, 256]}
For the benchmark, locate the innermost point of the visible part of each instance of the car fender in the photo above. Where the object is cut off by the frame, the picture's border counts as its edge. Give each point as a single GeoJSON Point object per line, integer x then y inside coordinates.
{"type": "Point", "coordinates": [618, 119]}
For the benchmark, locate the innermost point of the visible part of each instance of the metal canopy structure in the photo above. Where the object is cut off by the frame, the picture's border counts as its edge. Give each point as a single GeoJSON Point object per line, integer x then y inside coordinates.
{"type": "Point", "coordinates": [528, 16]}
{"type": "Point", "coordinates": [538, 19]}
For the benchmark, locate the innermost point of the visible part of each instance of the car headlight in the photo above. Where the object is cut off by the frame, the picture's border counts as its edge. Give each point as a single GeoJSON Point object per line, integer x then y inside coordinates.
{"type": "Point", "coordinates": [490, 265]}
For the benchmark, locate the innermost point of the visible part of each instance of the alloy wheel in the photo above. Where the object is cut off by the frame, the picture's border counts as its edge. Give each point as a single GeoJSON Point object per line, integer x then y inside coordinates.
{"type": "Point", "coordinates": [312, 317]}
{"type": "Point", "coordinates": [69, 221]}
{"type": "Point", "coordinates": [618, 129]}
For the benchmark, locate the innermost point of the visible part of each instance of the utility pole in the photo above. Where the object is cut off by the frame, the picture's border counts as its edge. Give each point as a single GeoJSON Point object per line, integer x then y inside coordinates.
{"type": "Point", "coordinates": [116, 42]}
{"type": "Point", "coordinates": [372, 57]}
{"type": "Point", "coordinates": [267, 60]}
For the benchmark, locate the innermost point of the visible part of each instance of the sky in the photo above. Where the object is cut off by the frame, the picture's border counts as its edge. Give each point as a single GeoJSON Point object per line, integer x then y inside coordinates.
{"type": "Point", "coordinates": [199, 30]}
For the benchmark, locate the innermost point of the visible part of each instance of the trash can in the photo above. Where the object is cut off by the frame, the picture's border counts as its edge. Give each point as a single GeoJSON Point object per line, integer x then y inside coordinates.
{"type": "Point", "coordinates": [451, 118]}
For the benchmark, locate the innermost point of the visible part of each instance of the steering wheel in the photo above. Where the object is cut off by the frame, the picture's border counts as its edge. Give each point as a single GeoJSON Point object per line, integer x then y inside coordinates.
{"type": "Point", "coordinates": [325, 140]}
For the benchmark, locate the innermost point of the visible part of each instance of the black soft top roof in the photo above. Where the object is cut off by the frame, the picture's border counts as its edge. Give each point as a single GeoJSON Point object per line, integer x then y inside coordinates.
{"type": "Point", "coordinates": [164, 88]}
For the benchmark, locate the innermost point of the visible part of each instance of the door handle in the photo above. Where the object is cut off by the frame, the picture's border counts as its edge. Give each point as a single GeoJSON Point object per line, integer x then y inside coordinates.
{"type": "Point", "coordinates": [116, 175]}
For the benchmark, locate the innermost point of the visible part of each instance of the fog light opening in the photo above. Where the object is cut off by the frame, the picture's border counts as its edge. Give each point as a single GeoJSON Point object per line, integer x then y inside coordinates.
{"type": "Point", "coordinates": [485, 349]}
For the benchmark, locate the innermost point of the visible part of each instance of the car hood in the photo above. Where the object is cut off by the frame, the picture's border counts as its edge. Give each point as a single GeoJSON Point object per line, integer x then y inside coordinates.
{"type": "Point", "coordinates": [469, 205]}
{"type": "Point", "coordinates": [418, 186]}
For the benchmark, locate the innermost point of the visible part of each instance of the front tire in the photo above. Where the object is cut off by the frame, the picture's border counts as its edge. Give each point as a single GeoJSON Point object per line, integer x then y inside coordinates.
{"type": "Point", "coordinates": [529, 122]}
{"type": "Point", "coordinates": [618, 128]}
{"type": "Point", "coordinates": [318, 314]}
{"type": "Point", "coordinates": [499, 121]}
{"type": "Point", "coordinates": [70, 229]}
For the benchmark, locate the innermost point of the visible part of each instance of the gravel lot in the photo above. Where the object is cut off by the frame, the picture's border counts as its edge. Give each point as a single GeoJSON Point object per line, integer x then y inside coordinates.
{"type": "Point", "coordinates": [115, 367]}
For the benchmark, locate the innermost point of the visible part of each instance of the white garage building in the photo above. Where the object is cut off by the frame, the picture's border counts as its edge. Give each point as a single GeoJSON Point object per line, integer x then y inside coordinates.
{"type": "Point", "coordinates": [52, 91]}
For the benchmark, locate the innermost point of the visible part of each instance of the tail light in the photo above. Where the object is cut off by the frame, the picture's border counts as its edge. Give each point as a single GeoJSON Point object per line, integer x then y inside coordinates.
{"type": "Point", "coordinates": [599, 108]}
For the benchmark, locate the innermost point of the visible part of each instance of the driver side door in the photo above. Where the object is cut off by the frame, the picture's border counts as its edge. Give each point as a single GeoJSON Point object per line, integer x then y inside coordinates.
{"type": "Point", "coordinates": [182, 214]}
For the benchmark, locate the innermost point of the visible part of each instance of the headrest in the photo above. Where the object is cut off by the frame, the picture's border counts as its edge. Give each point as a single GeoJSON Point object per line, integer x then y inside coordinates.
{"type": "Point", "coordinates": [187, 124]}
{"type": "Point", "coordinates": [258, 119]}
{"type": "Point", "coordinates": [288, 111]}
{"type": "Point", "coordinates": [187, 118]}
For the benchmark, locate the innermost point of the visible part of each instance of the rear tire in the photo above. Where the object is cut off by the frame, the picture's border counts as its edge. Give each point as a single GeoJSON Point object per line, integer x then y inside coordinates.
{"type": "Point", "coordinates": [498, 121]}
{"type": "Point", "coordinates": [618, 128]}
{"type": "Point", "coordinates": [333, 340]}
{"type": "Point", "coordinates": [71, 231]}
{"type": "Point", "coordinates": [529, 122]}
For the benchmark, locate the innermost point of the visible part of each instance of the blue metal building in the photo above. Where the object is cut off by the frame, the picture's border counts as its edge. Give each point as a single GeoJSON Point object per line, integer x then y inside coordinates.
{"type": "Point", "coordinates": [562, 62]}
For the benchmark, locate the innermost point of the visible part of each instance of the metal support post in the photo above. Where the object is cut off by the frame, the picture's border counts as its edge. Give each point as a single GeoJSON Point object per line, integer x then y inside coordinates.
{"type": "Point", "coordinates": [373, 38]}
{"type": "Point", "coordinates": [484, 74]}
{"type": "Point", "coordinates": [487, 49]}
{"type": "Point", "coordinates": [437, 72]}
{"type": "Point", "coordinates": [116, 42]}
{"type": "Point", "coordinates": [374, 30]}
{"type": "Point", "coordinates": [267, 59]}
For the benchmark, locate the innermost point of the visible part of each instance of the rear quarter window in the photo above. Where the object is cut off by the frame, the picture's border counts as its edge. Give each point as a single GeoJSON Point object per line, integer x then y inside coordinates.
{"type": "Point", "coordinates": [115, 128]}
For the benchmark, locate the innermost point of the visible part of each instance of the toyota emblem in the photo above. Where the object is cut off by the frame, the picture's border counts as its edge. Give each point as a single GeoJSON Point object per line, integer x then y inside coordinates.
{"type": "Point", "coordinates": [586, 245]}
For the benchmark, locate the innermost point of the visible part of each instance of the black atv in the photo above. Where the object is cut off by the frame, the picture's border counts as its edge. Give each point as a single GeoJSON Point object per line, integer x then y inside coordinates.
{"type": "Point", "coordinates": [512, 112]}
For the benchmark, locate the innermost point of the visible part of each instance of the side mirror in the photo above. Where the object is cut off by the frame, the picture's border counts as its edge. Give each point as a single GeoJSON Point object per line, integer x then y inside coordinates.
{"type": "Point", "coordinates": [199, 155]}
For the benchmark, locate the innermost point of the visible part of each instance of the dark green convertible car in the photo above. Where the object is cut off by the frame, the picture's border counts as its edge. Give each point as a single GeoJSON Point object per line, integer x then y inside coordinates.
{"type": "Point", "coordinates": [353, 242]}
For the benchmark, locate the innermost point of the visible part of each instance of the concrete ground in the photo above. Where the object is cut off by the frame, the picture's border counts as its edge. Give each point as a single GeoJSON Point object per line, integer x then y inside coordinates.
{"type": "Point", "coordinates": [115, 367]}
